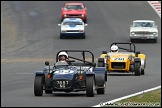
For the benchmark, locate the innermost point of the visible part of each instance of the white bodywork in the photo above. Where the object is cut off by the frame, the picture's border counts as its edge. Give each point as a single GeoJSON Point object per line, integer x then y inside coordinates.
{"type": "Point", "coordinates": [143, 29]}
{"type": "Point", "coordinates": [72, 25]}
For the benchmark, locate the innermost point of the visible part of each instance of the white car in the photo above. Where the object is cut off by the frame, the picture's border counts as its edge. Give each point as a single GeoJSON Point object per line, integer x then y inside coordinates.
{"type": "Point", "coordinates": [143, 29]}
{"type": "Point", "coordinates": [72, 27]}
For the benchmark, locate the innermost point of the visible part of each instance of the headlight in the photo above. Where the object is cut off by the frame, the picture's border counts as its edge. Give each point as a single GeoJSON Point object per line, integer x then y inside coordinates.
{"type": "Point", "coordinates": [82, 15]}
{"type": "Point", "coordinates": [154, 33]}
{"type": "Point", "coordinates": [63, 30]}
{"type": "Point", "coordinates": [130, 57]}
{"type": "Point", "coordinates": [81, 30]}
{"type": "Point", "coordinates": [65, 15]}
{"type": "Point", "coordinates": [132, 33]}
{"type": "Point", "coordinates": [107, 57]}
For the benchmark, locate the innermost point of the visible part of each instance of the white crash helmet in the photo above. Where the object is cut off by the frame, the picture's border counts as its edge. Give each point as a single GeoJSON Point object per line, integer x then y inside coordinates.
{"type": "Point", "coordinates": [63, 53]}
{"type": "Point", "coordinates": [114, 48]}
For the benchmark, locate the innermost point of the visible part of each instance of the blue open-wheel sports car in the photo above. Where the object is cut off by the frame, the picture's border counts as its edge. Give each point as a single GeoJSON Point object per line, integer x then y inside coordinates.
{"type": "Point", "coordinates": [80, 74]}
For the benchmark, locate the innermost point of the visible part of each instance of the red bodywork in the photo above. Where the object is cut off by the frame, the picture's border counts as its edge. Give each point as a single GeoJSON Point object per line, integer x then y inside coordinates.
{"type": "Point", "coordinates": [74, 10]}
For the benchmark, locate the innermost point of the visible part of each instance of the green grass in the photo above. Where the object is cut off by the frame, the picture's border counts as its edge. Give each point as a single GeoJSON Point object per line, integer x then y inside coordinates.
{"type": "Point", "coordinates": [149, 99]}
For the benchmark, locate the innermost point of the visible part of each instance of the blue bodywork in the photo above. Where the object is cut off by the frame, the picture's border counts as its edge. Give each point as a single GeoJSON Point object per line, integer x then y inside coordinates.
{"type": "Point", "coordinates": [68, 75]}
{"type": "Point", "coordinates": [73, 77]}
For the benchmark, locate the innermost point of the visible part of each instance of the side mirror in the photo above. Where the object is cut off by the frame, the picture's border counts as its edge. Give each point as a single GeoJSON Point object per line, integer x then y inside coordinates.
{"type": "Point", "coordinates": [47, 63]}
{"type": "Point", "coordinates": [85, 24]}
{"type": "Point", "coordinates": [59, 24]}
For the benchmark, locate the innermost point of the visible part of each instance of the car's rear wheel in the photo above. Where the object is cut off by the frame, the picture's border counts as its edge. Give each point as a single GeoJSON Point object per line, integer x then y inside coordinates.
{"type": "Point", "coordinates": [101, 62]}
{"type": "Point", "coordinates": [38, 85]}
{"type": "Point", "coordinates": [90, 86]}
{"type": "Point", "coordinates": [142, 71]}
{"type": "Point", "coordinates": [101, 90]}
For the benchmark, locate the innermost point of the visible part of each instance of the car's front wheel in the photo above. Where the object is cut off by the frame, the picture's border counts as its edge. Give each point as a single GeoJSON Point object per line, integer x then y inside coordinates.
{"type": "Point", "coordinates": [155, 40]}
{"type": "Point", "coordinates": [90, 86]}
{"type": "Point", "coordinates": [132, 40]}
{"type": "Point", "coordinates": [83, 37]}
{"type": "Point", "coordinates": [85, 20]}
{"type": "Point", "coordinates": [137, 68]}
{"type": "Point", "coordinates": [38, 85]}
{"type": "Point", "coordinates": [61, 36]}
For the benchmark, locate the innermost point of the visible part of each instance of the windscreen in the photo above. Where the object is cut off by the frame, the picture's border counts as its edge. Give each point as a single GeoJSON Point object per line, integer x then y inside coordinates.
{"type": "Point", "coordinates": [74, 7]}
{"type": "Point", "coordinates": [72, 23]}
{"type": "Point", "coordinates": [143, 24]}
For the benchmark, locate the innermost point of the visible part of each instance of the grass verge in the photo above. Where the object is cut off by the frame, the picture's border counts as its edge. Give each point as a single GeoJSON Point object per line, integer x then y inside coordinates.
{"type": "Point", "coordinates": [149, 99]}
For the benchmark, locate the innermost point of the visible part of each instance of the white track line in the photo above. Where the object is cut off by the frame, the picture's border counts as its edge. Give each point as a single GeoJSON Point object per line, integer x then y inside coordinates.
{"type": "Point", "coordinates": [125, 97]}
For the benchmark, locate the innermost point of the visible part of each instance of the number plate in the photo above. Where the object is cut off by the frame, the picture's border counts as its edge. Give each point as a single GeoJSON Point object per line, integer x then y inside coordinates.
{"type": "Point", "coordinates": [62, 84]}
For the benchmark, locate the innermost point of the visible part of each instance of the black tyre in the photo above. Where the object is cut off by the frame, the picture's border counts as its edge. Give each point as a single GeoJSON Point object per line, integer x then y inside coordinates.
{"type": "Point", "coordinates": [61, 37]}
{"type": "Point", "coordinates": [83, 37]}
{"type": "Point", "coordinates": [48, 91]}
{"type": "Point", "coordinates": [137, 68]}
{"type": "Point", "coordinates": [90, 86]}
{"type": "Point", "coordinates": [154, 40]}
{"type": "Point", "coordinates": [61, 20]}
{"type": "Point", "coordinates": [101, 62]}
{"type": "Point", "coordinates": [101, 90]}
{"type": "Point", "coordinates": [38, 86]}
{"type": "Point", "coordinates": [133, 40]}
{"type": "Point", "coordinates": [142, 71]}
{"type": "Point", "coordinates": [85, 21]}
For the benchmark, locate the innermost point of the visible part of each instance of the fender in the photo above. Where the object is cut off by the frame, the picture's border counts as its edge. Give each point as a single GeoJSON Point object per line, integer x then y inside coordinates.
{"type": "Point", "coordinates": [142, 56]}
{"type": "Point", "coordinates": [103, 55]}
{"type": "Point", "coordinates": [39, 72]}
{"type": "Point", "coordinates": [100, 75]}
{"type": "Point", "coordinates": [89, 73]}
{"type": "Point", "coordinates": [143, 60]}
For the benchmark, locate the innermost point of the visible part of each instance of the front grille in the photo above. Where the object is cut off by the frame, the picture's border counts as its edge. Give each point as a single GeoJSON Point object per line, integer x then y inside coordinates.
{"type": "Point", "coordinates": [143, 33]}
{"type": "Point", "coordinates": [72, 30]}
{"type": "Point", "coordinates": [118, 65]}
{"type": "Point", "coordinates": [62, 84]}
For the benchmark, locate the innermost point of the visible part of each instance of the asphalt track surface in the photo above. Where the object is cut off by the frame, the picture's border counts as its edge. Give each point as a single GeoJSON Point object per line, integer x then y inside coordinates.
{"type": "Point", "coordinates": [30, 36]}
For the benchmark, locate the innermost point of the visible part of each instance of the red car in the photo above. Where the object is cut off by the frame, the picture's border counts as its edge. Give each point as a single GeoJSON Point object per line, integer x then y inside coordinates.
{"type": "Point", "coordinates": [74, 10]}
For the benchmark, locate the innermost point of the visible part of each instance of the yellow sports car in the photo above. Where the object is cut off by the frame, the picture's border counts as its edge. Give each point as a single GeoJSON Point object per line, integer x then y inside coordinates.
{"type": "Point", "coordinates": [124, 58]}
